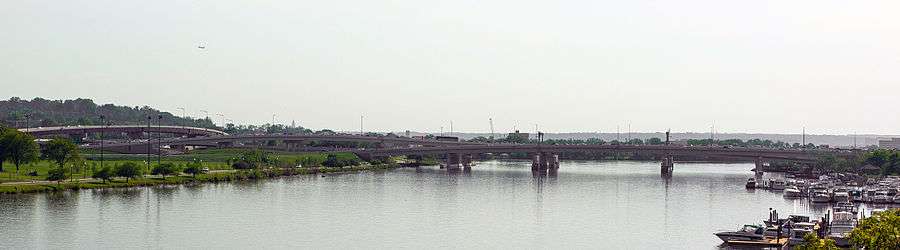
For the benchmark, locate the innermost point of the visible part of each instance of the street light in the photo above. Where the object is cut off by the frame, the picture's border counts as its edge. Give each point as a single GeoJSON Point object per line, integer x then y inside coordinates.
{"type": "Point", "coordinates": [102, 121]}
{"type": "Point", "coordinates": [183, 117]}
{"type": "Point", "coordinates": [159, 140]}
{"type": "Point", "coordinates": [149, 140]}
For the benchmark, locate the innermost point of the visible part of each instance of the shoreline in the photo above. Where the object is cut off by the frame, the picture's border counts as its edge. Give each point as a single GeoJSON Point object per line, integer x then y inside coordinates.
{"type": "Point", "coordinates": [238, 175]}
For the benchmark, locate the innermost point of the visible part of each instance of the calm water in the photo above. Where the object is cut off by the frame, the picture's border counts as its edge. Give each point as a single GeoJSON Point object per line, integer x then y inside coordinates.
{"type": "Point", "coordinates": [497, 205]}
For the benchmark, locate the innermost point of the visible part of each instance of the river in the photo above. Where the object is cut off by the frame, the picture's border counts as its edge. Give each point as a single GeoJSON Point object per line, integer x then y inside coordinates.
{"type": "Point", "coordinates": [498, 204]}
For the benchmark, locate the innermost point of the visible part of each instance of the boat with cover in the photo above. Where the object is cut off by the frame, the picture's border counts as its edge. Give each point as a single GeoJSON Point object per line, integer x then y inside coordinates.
{"type": "Point", "coordinates": [820, 196]}
{"type": "Point", "coordinates": [746, 233]}
{"type": "Point", "coordinates": [751, 183]}
{"type": "Point", "coordinates": [791, 192]}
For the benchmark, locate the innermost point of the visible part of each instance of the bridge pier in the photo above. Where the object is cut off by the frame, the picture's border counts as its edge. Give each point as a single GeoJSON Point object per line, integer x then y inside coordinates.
{"type": "Point", "coordinates": [453, 161]}
{"type": "Point", "coordinates": [760, 168]}
{"type": "Point", "coordinates": [544, 161]}
{"type": "Point", "coordinates": [667, 165]}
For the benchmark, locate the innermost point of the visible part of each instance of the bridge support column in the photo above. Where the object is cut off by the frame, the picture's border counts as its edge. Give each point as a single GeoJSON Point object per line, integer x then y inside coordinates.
{"type": "Point", "coordinates": [535, 162]}
{"type": "Point", "coordinates": [467, 160]}
{"type": "Point", "coordinates": [453, 161]}
{"type": "Point", "coordinates": [760, 168]}
{"type": "Point", "coordinates": [667, 165]}
{"type": "Point", "coordinates": [544, 161]}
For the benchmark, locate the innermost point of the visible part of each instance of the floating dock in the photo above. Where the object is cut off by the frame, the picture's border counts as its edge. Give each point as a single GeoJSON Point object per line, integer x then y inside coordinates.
{"type": "Point", "coordinates": [767, 242]}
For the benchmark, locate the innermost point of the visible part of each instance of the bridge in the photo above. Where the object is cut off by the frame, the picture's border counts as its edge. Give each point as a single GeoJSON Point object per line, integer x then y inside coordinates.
{"type": "Point", "coordinates": [134, 131]}
{"type": "Point", "coordinates": [546, 157]}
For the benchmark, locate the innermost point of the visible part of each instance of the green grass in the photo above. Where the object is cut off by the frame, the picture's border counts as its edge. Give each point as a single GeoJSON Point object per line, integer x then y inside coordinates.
{"type": "Point", "coordinates": [242, 175]}
{"type": "Point", "coordinates": [215, 159]}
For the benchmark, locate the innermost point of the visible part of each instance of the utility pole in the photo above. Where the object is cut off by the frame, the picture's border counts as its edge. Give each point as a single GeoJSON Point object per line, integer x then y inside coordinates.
{"type": "Point", "coordinates": [617, 134]}
{"type": "Point", "coordinates": [183, 116]}
{"type": "Point", "coordinates": [491, 120]}
{"type": "Point", "coordinates": [159, 140]}
{"type": "Point", "coordinates": [223, 118]}
{"type": "Point", "coordinates": [803, 137]}
{"type": "Point", "coordinates": [442, 130]}
{"type": "Point", "coordinates": [102, 121]}
{"type": "Point", "coordinates": [451, 127]}
{"type": "Point", "coordinates": [27, 122]}
{"type": "Point", "coordinates": [149, 141]}
{"type": "Point", "coordinates": [361, 125]}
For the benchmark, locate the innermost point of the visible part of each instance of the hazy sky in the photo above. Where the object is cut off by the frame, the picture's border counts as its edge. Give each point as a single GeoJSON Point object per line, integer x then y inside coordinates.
{"type": "Point", "coordinates": [745, 66]}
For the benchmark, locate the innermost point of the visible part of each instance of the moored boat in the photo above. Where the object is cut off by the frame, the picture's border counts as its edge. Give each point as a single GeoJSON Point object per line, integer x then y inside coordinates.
{"type": "Point", "coordinates": [751, 183]}
{"type": "Point", "coordinates": [791, 192]}
{"type": "Point", "coordinates": [820, 196]}
{"type": "Point", "coordinates": [746, 233]}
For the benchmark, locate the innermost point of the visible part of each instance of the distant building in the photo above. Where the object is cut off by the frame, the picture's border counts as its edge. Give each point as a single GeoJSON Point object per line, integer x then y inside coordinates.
{"type": "Point", "coordinates": [516, 136]}
{"type": "Point", "coordinates": [447, 138]}
{"type": "Point", "coordinates": [893, 143]}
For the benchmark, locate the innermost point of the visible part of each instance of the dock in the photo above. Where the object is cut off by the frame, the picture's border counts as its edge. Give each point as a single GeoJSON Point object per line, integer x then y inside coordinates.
{"type": "Point", "coordinates": [767, 242]}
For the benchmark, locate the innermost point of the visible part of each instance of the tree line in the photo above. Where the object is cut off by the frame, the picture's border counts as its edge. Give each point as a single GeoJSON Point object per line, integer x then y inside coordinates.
{"type": "Point", "coordinates": [40, 112]}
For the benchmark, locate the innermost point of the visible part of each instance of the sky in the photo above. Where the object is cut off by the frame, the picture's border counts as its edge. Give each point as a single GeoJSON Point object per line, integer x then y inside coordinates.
{"type": "Point", "coordinates": [832, 67]}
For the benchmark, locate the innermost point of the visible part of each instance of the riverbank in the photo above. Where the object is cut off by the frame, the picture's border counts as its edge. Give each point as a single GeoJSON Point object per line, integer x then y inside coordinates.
{"type": "Point", "coordinates": [237, 175]}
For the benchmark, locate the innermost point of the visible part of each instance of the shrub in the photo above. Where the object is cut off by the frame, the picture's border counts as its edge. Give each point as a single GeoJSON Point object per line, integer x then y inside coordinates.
{"type": "Point", "coordinates": [56, 174]}
{"type": "Point", "coordinates": [104, 174]}
{"type": "Point", "coordinates": [129, 170]}
{"type": "Point", "coordinates": [241, 165]}
{"type": "Point", "coordinates": [192, 168]}
{"type": "Point", "coordinates": [165, 169]}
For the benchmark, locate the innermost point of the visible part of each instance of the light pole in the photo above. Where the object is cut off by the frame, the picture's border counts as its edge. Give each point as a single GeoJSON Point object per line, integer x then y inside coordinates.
{"type": "Point", "coordinates": [27, 122]}
{"type": "Point", "coordinates": [223, 119]}
{"type": "Point", "coordinates": [206, 117]}
{"type": "Point", "coordinates": [159, 140]}
{"type": "Point", "coordinates": [102, 121]}
{"type": "Point", "coordinates": [149, 141]}
{"type": "Point", "coordinates": [183, 116]}
{"type": "Point", "coordinates": [361, 125]}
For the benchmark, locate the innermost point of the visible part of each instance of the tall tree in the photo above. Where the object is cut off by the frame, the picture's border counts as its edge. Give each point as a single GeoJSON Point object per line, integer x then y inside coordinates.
{"type": "Point", "coordinates": [3, 131]}
{"type": "Point", "coordinates": [61, 151]}
{"type": "Point", "coordinates": [20, 148]}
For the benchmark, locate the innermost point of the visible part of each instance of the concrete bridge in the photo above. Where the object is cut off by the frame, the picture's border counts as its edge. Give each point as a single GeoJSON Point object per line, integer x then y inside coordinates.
{"type": "Point", "coordinates": [134, 131]}
{"type": "Point", "coordinates": [546, 157]}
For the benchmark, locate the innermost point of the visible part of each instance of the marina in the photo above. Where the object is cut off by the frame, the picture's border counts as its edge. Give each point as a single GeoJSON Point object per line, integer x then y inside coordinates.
{"type": "Point", "coordinates": [844, 199]}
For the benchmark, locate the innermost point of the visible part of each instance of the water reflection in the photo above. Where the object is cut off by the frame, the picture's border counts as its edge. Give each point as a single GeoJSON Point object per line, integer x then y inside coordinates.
{"type": "Point", "coordinates": [495, 204]}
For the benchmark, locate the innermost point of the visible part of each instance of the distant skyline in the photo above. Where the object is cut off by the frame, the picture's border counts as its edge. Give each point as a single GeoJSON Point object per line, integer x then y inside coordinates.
{"type": "Point", "coordinates": [568, 66]}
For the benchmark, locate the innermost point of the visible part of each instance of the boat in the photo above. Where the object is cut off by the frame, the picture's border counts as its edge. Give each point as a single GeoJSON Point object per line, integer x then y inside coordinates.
{"type": "Point", "coordinates": [881, 196]}
{"type": "Point", "coordinates": [856, 195]}
{"type": "Point", "coordinates": [840, 196]}
{"type": "Point", "coordinates": [776, 184]}
{"type": "Point", "coordinates": [751, 183]}
{"type": "Point", "coordinates": [746, 233]}
{"type": "Point", "coordinates": [839, 230]}
{"type": "Point", "coordinates": [845, 207]}
{"type": "Point", "coordinates": [897, 199]}
{"type": "Point", "coordinates": [820, 196]}
{"type": "Point", "coordinates": [799, 230]}
{"type": "Point", "coordinates": [792, 192]}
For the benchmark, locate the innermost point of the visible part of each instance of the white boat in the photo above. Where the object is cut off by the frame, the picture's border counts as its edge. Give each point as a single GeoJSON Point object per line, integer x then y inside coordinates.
{"type": "Point", "coordinates": [791, 192]}
{"type": "Point", "coordinates": [841, 225]}
{"type": "Point", "coordinates": [840, 196]}
{"type": "Point", "coordinates": [897, 199]}
{"type": "Point", "coordinates": [776, 184]}
{"type": "Point", "coordinates": [820, 196]}
{"type": "Point", "coordinates": [881, 196]}
{"type": "Point", "coordinates": [799, 230]}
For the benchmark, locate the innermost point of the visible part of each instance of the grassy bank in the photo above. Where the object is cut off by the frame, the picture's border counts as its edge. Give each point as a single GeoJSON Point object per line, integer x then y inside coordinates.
{"type": "Point", "coordinates": [241, 175]}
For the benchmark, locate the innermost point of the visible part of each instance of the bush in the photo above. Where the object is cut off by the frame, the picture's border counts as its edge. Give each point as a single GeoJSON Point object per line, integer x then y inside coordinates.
{"type": "Point", "coordinates": [33, 173]}
{"type": "Point", "coordinates": [104, 174]}
{"type": "Point", "coordinates": [241, 165]}
{"type": "Point", "coordinates": [129, 170]}
{"type": "Point", "coordinates": [165, 169]}
{"type": "Point", "coordinates": [193, 168]}
{"type": "Point", "coordinates": [56, 174]}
